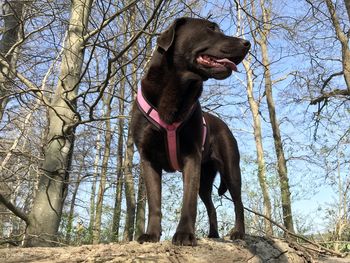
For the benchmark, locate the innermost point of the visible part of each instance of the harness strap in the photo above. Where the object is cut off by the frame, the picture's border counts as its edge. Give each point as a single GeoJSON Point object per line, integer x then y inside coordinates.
{"type": "Point", "coordinates": [171, 129]}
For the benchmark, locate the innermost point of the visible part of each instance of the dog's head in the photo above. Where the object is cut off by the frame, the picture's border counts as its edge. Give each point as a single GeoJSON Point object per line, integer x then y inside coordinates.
{"type": "Point", "coordinates": [199, 46]}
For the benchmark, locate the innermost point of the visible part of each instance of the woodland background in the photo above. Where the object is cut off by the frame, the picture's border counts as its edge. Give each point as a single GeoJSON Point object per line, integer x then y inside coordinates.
{"type": "Point", "coordinates": [69, 70]}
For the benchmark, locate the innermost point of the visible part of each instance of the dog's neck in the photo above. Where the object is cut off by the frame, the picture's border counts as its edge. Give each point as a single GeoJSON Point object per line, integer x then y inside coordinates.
{"type": "Point", "coordinates": [171, 91]}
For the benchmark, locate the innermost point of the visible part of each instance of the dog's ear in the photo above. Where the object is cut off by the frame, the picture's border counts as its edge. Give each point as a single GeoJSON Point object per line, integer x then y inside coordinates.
{"type": "Point", "coordinates": [166, 39]}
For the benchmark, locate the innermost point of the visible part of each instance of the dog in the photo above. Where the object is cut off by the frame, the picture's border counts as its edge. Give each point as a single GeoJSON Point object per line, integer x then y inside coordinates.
{"type": "Point", "coordinates": [188, 53]}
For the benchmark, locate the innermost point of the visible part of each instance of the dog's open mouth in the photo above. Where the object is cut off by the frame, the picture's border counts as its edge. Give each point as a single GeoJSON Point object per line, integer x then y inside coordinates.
{"type": "Point", "coordinates": [213, 62]}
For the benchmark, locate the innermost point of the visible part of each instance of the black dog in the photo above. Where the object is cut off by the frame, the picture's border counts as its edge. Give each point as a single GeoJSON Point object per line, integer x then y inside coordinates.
{"type": "Point", "coordinates": [189, 52]}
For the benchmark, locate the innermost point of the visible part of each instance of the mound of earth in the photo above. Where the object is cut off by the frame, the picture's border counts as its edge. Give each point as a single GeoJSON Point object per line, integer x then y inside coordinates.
{"type": "Point", "coordinates": [253, 250]}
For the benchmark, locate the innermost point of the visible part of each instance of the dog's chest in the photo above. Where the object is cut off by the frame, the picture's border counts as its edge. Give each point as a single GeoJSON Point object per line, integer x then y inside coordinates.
{"type": "Point", "coordinates": [154, 146]}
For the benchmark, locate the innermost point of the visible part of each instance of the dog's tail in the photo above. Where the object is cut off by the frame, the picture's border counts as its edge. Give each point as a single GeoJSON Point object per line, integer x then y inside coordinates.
{"type": "Point", "coordinates": [222, 188]}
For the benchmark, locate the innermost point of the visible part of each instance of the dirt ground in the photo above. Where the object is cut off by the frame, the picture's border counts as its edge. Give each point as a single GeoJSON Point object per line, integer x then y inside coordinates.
{"type": "Point", "coordinates": [253, 250]}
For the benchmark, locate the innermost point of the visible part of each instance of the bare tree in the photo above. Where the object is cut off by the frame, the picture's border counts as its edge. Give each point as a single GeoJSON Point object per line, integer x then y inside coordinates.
{"type": "Point", "coordinates": [260, 32]}
{"type": "Point", "coordinates": [343, 39]}
{"type": "Point", "coordinates": [347, 6]}
{"type": "Point", "coordinates": [9, 45]}
{"type": "Point", "coordinates": [46, 212]}
{"type": "Point", "coordinates": [141, 208]}
{"type": "Point", "coordinates": [129, 185]}
{"type": "Point", "coordinates": [104, 168]}
{"type": "Point", "coordinates": [72, 205]}
{"type": "Point", "coordinates": [120, 158]}
{"type": "Point", "coordinates": [254, 108]}
{"type": "Point", "coordinates": [93, 187]}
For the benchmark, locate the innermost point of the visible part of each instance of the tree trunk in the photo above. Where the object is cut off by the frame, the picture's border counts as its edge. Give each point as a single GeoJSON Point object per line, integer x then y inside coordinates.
{"type": "Point", "coordinates": [117, 205]}
{"type": "Point", "coordinates": [343, 39]}
{"type": "Point", "coordinates": [46, 213]}
{"type": "Point", "coordinates": [128, 164]}
{"type": "Point", "coordinates": [347, 5]}
{"type": "Point", "coordinates": [263, 31]}
{"type": "Point", "coordinates": [12, 15]}
{"type": "Point", "coordinates": [72, 206]}
{"type": "Point", "coordinates": [104, 171]}
{"type": "Point", "coordinates": [281, 161]}
{"type": "Point", "coordinates": [254, 107]}
{"type": "Point", "coordinates": [119, 181]}
{"type": "Point", "coordinates": [129, 190]}
{"type": "Point", "coordinates": [141, 208]}
{"type": "Point", "coordinates": [93, 188]}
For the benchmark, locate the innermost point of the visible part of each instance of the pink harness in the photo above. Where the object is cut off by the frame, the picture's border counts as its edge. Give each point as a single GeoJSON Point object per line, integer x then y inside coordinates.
{"type": "Point", "coordinates": [153, 116]}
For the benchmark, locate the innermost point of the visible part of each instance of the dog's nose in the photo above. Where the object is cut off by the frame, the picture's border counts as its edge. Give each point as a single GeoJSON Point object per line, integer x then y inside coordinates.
{"type": "Point", "coordinates": [245, 43]}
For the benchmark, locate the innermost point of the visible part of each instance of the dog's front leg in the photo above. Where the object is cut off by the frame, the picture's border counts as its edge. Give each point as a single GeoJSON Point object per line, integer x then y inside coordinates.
{"type": "Point", "coordinates": [152, 178]}
{"type": "Point", "coordinates": [185, 232]}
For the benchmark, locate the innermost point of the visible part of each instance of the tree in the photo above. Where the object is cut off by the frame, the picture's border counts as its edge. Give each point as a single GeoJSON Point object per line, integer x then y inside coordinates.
{"type": "Point", "coordinates": [9, 45]}
{"type": "Point", "coordinates": [326, 73]}
{"type": "Point", "coordinates": [260, 35]}
{"type": "Point", "coordinates": [104, 168]}
{"type": "Point", "coordinates": [343, 38]}
{"type": "Point", "coordinates": [129, 189]}
{"type": "Point", "coordinates": [281, 161]}
{"type": "Point", "coordinates": [93, 188]}
{"type": "Point", "coordinates": [9, 49]}
{"type": "Point", "coordinates": [119, 170]}
{"type": "Point", "coordinates": [72, 205]}
{"type": "Point", "coordinates": [141, 208]}
{"type": "Point", "coordinates": [45, 215]}
{"type": "Point", "coordinates": [254, 108]}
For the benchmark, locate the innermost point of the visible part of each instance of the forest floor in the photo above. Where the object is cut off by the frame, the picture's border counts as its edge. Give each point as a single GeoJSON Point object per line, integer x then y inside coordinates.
{"type": "Point", "coordinates": [253, 249]}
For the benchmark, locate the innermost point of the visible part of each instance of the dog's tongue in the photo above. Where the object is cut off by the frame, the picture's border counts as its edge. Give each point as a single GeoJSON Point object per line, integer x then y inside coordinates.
{"type": "Point", "coordinates": [227, 62]}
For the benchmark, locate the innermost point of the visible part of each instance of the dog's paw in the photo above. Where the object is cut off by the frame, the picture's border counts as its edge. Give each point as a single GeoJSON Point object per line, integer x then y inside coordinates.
{"type": "Point", "coordinates": [148, 238]}
{"type": "Point", "coordinates": [235, 234]}
{"type": "Point", "coordinates": [184, 239]}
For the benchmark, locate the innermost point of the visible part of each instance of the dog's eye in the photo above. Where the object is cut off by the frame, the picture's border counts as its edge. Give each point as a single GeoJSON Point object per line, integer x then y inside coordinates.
{"type": "Point", "coordinates": [214, 27]}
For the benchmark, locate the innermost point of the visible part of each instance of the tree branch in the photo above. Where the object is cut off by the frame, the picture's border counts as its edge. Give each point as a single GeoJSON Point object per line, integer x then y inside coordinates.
{"type": "Point", "coordinates": [330, 78]}
{"type": "Point", "coordinates": [30, 85]}
{"type": "Point", "coordinates": [322, 249]}
{"type": "Point", "coordinates": [131, 42]}
{"type": "Point", "coordinates": [137, 35]}
{"type": "Point", "coordinates": [14, 209]}
{"type": "Point", "coordinates": [109, 20]}
{"type": "Point", "coordinates": [327, 95]}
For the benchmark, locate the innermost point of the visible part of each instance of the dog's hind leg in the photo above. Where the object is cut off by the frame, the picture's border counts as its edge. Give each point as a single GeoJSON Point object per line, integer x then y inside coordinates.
{"type": "Point", "coordinates": [152, 178]}
{"type": "Point", "coordinates": [228, 166]}
{"type": "Point", "coordinates": [208, 172]}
